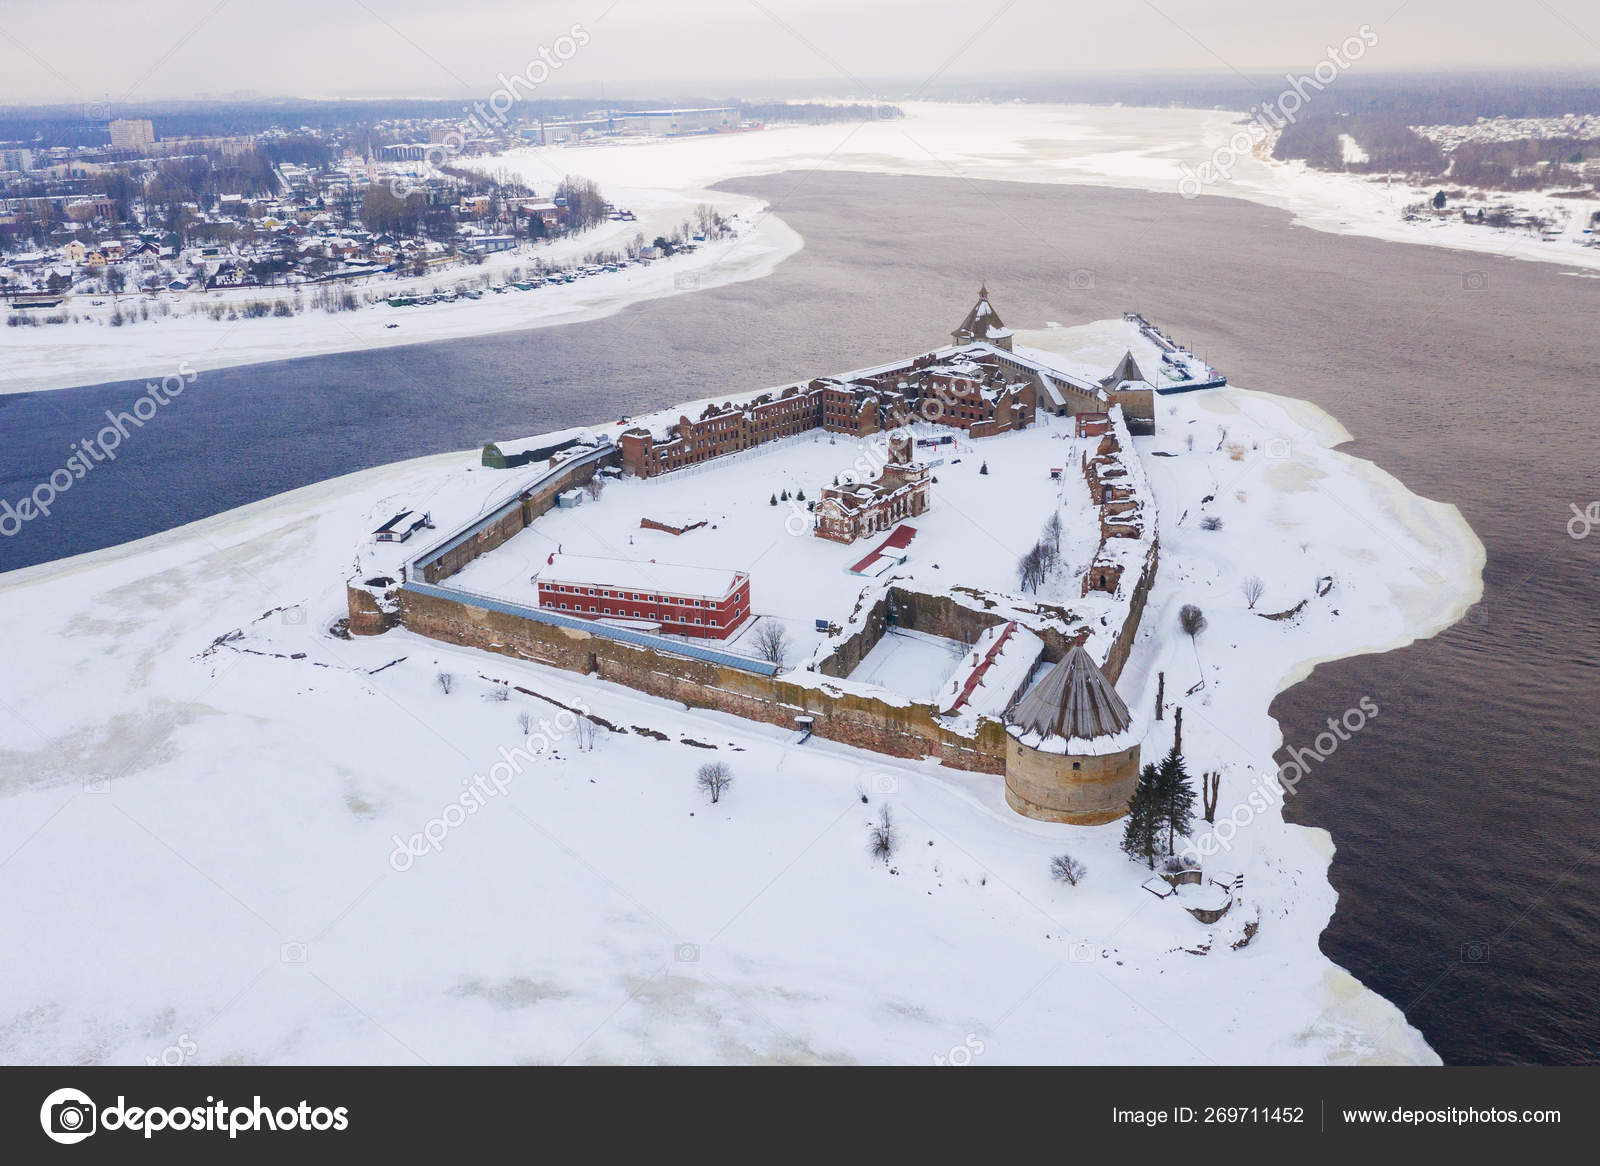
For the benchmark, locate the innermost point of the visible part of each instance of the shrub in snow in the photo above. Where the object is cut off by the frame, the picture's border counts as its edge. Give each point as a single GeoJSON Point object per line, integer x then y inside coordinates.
{"type": "Point", "coordinates": [714, 778]}
{"type": "Point", "coordinates": [445, 681]}
{"type": "Point", "coordinates": [882, 838]}
{"type": "Point", "coordinates": [1211, 522]}
{"type": "Point", "coordinates": [1066, 869]}
{"type": "Point", "coordinates": [1251, 589]}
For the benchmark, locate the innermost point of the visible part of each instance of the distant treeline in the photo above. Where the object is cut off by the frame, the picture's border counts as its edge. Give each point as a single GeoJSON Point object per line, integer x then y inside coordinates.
{"type": "Point", "coordinates": [1415, 99]}
{"type": "Point", "coordinates": [1387, 139]}
{"type": "Point", "coordinates": [86, 125]}
{"type": "Point", "coordinates": [814, 111]}
{"type": "Point", "coordinates": [1391, 146]}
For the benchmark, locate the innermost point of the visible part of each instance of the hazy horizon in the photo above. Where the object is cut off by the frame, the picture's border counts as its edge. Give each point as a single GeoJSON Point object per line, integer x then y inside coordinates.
{"type": "Point", "coordinates": [363, 49]}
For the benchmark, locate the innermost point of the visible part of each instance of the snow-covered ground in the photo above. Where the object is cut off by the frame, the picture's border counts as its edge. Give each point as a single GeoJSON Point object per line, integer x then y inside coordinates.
{"type": "Point", "coordinates": [664, 179]}
{"type": "Point", "coordinates": [243, 851]}
{"type": "Point", "coordinates": [966, 536]}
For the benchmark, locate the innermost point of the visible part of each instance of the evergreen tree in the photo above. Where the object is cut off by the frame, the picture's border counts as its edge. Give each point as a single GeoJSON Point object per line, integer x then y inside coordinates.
{"type": "Point", "coordinates": [1174, 798]}
{"type": "Point", "coordinates": [799, 495]}
{"type": "Point", "coordinates": [774, 501]}
{"type": "Point", "coordinates": [1141, 833]}
{"type": "Point", "coordinates": [984, 468]}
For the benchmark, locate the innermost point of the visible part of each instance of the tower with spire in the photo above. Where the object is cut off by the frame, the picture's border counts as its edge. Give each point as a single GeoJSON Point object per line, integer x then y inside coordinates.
{"type": "Point", "coordinates": [983, 324]}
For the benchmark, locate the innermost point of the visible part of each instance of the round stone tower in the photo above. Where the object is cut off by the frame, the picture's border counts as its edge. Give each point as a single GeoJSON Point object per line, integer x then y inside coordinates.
{"type": "Point", "coordinates": [1071, 752]}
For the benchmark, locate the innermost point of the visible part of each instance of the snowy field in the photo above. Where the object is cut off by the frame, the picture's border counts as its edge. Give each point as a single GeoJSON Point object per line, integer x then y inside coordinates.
{"type": "Point", "coordinates": [911, 663]}
{"type": "Point", "coordinates": [243, 849]}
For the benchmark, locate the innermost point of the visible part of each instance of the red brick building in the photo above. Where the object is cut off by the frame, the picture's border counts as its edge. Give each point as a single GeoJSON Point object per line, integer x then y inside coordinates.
{"type": "Point", "coordinates": [691, 601]}
{"type": "Point", "coordinates": [979, 386]}
{"type": "Point", "coordinates": [852, 511]}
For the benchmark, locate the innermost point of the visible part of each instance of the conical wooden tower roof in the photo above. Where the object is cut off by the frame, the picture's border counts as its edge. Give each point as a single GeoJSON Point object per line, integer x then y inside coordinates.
{"type": "Point", "coordinates": [1074, 700]}
{"type": "Point", "coordinates": [981, 320]}
{"type": "Point", "coordinates": [1128, 370]}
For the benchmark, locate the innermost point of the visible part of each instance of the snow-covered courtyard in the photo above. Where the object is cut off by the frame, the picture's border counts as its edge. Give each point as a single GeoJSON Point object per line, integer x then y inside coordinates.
{"type": "Point", "coordinates": [967, 536]}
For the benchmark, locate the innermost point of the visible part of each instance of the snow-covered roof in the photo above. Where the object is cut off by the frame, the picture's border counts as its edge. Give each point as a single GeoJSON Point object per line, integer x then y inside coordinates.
{"type": "Point", "coordinates": [632, 576]}
{"type": "Point", "coordinates": [1074, 701]}
{"type": "Point", "coordinates": [992, 672]}
{"type": "Point", "coordinates": [983, 322]}
{"type": "Point", "coordinates": [1127, 370]}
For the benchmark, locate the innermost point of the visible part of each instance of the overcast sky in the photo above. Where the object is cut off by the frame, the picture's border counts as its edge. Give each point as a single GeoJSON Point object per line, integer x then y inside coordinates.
{"type": "Point", "coordinates": [69, 50]}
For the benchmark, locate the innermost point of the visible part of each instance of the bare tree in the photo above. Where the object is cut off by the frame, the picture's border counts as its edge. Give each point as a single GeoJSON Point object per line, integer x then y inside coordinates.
{"type": "Point", "coordinates": [882, 838]}
{"type": "Point", "coordinates": [1252, 589]}
{"type": "Point", "coordinates": [1193, 621]}
{"type": "Point", "coordinates": [595, 486]}
{"type": "Point", "coordinates": [1052, 532]}
{"type": "Point", "coordinates": [714, 778]}
{"type": "Point", "coordinates": [1066, 869]}
{"type": "Point", "coordinates": [525, 723]}
{"type": "Point", "coordinates": [1034, 567]}
{"type": "Point", "coordinates": [445, 681]}
{"type": "Point", "coordinates": [499, 692]}
{"type": "Point", "coordinates": [1211, 522]}
{"type": "Point", "coordinates": [772, 642]}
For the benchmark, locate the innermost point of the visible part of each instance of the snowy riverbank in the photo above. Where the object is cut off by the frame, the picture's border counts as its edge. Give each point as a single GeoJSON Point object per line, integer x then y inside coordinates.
{"type": "Point", "coordinates": [1134, 148]}
{"type": "Point", "coordinates": [91, 351]}
{"type": "Point", "coordinates": [599, 910]}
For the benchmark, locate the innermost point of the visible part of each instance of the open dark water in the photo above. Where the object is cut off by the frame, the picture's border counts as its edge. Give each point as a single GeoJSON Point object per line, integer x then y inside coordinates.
{"type": "Point", "coordinates": [1465, 815]}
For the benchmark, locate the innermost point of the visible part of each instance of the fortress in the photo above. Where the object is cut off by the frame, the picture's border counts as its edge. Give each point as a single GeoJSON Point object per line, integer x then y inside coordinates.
{"type": "Point", "coordinates": [683, 585]}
